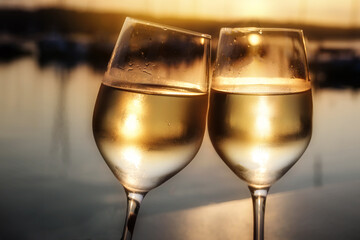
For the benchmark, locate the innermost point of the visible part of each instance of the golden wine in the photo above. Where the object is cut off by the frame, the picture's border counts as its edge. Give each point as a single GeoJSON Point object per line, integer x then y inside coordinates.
{"type": "Point", "coordinates": [147, 134]}
{"type": "Point", "coordinates": [260, 136]}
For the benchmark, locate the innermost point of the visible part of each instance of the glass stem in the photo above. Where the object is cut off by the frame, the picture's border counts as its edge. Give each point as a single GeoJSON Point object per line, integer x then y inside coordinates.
{"type": "Point", "coordinates": [258, 196]}
{"type": "Point", "coordinates": [134, 200]}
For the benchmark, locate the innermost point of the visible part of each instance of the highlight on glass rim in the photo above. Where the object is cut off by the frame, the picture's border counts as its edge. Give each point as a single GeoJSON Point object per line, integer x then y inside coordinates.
{"type": "Point", "coordinates": [186, 104]}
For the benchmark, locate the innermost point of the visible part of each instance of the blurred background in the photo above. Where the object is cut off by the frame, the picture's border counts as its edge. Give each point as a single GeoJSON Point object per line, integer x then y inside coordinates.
{"type": "Point", "coordinates": [53, 53]}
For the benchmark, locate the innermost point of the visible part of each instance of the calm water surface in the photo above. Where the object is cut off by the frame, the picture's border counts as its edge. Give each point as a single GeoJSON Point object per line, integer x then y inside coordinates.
{"type": "Point", "coordinates": [55, 185]}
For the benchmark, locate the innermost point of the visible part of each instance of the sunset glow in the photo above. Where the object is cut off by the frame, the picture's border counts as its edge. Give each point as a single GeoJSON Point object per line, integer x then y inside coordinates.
{"type": "Point", "coordinates": [326, 12]}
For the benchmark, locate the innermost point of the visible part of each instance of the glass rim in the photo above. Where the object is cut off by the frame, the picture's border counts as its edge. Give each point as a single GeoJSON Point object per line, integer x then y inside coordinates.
{"type": "Point", "coordinates": [256, 29]}
{"type": "Point", "coordinates": [167, 27]}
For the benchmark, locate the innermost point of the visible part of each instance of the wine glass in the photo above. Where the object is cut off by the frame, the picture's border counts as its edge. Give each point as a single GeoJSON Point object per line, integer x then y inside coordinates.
{"type": "Point", "coordinates": [150, 113]}
{"type": "Point", "coordinates": [260, 116]}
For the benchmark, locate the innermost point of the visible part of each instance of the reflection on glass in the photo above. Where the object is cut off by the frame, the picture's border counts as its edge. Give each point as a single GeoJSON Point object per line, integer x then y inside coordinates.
{"type": "Point", "coordinates": [260, 118]}
{"type": "Point", "coordinates": [254, 39]}
{"type": "Point", "coordinates": [150, 113]}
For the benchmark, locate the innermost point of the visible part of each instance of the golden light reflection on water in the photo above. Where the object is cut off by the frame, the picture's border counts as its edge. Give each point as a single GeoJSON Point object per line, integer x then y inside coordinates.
{"type": "Point", "coordinates": [199, 222]}
{"type": "Point", "coordinates": [31, 93]}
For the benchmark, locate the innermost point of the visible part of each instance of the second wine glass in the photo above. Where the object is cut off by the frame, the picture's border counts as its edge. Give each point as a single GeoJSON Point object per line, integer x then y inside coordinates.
{"type": "Point", "coordinates": [150, 113]}
{"type": "Point", "coordinates": [260, 117]}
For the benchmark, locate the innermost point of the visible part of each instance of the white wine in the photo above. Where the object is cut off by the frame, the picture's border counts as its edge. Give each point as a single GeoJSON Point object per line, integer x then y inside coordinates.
{"type": "Point", "coordinates": [147, 134]}
{"type": "Point", "coordinates": [261, 135]}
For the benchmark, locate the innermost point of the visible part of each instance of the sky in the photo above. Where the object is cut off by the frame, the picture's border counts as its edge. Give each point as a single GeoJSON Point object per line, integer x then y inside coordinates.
{"type": "Point", "coordinates": [324, 12]}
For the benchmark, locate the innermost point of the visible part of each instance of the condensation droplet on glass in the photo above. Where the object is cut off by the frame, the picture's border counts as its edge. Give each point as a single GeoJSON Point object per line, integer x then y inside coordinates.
{"type": "Point", "coordinates": [169, 124]}
{"type": "Point", "coordinates": [146, 72]}
{"type": "Point", "coordinates": [260, 32]}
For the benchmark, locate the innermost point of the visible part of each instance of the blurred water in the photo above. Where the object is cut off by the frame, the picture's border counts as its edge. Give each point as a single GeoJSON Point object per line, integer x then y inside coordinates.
{"type": "Point", "coordinates": [55, 185]}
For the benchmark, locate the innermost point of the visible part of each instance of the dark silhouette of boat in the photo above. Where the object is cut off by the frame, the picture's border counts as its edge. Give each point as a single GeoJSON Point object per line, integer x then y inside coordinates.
{"type": "Point", "coordinates": [11, 50]}
{"type": "Point", "coordinates": [55, 48]}
{"type": "Point", "coordinates": [336, 68]}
